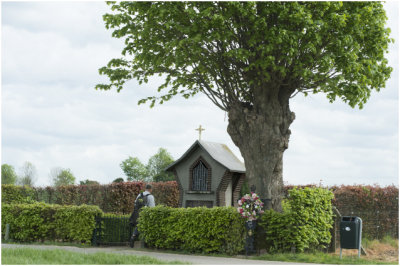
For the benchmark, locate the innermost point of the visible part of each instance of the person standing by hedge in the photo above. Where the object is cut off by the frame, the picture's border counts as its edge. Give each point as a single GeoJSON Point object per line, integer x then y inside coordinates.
{"type": "Point", "coordinates": [144, 199]}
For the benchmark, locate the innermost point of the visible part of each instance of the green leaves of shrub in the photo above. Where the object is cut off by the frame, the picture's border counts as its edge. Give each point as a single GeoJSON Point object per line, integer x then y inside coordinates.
{"type": "Point", "coordinates": [76, 223]}
{"type": "Point", "coordinates": [304, 224]}
{"type": "Point", "coordinates": [219, 229]}
{"type": "Point", "coordinates": [16, 194]}
{"type": "Point", "coordinates": [40, 221]}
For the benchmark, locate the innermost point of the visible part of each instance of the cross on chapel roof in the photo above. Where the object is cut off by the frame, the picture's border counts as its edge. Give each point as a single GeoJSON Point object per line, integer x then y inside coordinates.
{"type": "Point", "coordinates": [200, 129]}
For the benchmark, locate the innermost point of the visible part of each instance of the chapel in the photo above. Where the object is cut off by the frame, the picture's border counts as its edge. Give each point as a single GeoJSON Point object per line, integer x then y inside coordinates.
{"type": "Point", "coordinates": [208, 174]}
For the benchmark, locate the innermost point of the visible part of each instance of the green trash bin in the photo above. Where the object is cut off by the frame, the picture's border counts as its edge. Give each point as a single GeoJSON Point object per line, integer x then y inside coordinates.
{"type": "Point", "coordinates": [350, 233]}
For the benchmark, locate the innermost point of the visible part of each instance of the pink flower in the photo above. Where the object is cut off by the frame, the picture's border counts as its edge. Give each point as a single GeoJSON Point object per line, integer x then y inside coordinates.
{"type": "Point", "coordinates": [240, 203]}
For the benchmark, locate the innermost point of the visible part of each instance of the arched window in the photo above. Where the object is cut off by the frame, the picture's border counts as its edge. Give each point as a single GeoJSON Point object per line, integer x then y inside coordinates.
{"type": "Point", "coordinates": [200, 176]}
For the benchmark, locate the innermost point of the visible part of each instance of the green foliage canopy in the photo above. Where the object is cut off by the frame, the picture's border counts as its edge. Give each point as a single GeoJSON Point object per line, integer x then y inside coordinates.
{"type": "Point", "coordinates": [8, 175]}
{"type": "Point", "coordinates": [62, 177]}
{"type": "Point", "coordinates": [134, 169]}
{"type": "Point", "coordinates": [157, 163]}
{"type": "Point", "coordinates": [228, 49]}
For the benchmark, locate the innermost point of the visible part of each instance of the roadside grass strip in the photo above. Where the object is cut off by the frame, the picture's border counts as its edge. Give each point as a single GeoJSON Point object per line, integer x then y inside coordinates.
{"type": "Point", "coordinates": [24, 256]}
{"type": "Point", "coordinates": [321, 258]}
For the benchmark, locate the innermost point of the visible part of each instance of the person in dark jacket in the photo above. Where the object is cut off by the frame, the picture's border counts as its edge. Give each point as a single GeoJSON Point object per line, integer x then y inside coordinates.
{"type": "Point", "coordinates": [144, 199]}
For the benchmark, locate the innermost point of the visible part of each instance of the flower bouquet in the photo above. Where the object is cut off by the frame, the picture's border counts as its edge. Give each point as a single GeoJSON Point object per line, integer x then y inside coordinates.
{"type": "Point", "coordinates": [250, 206]}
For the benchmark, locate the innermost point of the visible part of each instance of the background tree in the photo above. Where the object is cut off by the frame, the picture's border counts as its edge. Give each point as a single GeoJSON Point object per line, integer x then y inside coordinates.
{"type": "Point", "coordinates": [62, 177]}
{"type": "Point", "coordinates": [28, 175]}
{"type": "Point", "coordinates": [249, 59]}
{"type": "Point", "coordinates": [157, 163]}
{"type": "Point", "coordinates": [89, 182]}
{"type": "Point", "coordinates": [8, 175]}
{"type": "Point", "coordinates": [118, 180]}
{"type": "Point", "coordinates": [134, 169]}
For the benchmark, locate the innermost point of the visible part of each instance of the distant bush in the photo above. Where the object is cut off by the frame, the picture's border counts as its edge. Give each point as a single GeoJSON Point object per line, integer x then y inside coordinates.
{"type": "Point", "coordinates": [207, 230]}
{"type": "Point", "coordinates": [40, 221]}
{"type": "Point", "coordinates": [304, 224]}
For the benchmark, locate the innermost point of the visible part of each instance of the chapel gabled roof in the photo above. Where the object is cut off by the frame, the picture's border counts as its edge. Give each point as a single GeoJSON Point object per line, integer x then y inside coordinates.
{"type": "Point", "coordinates": [219, 152]}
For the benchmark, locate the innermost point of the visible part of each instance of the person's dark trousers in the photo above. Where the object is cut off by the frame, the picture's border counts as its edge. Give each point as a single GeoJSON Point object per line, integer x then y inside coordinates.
{"type": "Point", "coordinates": [134, 236]}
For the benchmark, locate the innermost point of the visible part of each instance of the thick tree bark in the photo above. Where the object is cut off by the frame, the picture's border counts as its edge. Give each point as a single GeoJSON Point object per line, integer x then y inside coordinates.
{"type": "Point", "coordinates": [261, 131]}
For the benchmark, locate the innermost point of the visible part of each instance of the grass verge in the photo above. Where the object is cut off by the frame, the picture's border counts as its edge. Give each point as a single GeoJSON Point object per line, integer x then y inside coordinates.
{"type": "Point", "coordinates": [23, 256]}
{"type": "Point", "coordinates": [320, 258]}
{"type": "Point", "coordinates": [49, 243]}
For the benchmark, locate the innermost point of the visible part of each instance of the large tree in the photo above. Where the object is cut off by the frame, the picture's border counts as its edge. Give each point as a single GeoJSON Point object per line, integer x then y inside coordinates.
{"type": "Point", "coordinates": [8, 175]}
{"type": "Point", "coordinates": [250, 59]}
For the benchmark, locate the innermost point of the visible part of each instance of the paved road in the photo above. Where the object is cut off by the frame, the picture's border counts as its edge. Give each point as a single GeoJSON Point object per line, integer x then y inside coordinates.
{"type": "Point", "coordinates": [207, 260]}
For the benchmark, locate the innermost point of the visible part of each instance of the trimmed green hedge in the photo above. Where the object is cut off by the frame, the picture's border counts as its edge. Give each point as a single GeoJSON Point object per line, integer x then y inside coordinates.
{"type": "Point", "coordinates": [304, 224]}
{"type": "Point", "coordinates": [206, 230]}
{"type": "Point", "coordinates": [17, 194]}
{"type": "Point", "coordinates": [111, 198]}
{"type": "Point", "coordinates": [40, 221]}
{"type": "Point", "coordinates": [367, 202]}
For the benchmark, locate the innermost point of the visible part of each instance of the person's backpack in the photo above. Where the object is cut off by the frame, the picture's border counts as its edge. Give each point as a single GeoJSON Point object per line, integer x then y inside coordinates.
{"type": "Point", "coordinates": [140, 202]}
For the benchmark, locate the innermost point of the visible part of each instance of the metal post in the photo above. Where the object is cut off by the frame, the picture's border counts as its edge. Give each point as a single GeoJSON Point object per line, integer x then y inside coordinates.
{"type": "Point", "coordinates": [340, 253]}
{"type": "Point", "coordinates": [359, 247]}
{"type": "Point", "coordinates": [100, 238]}
{"type": "Point", "coordinates": [7, 236]}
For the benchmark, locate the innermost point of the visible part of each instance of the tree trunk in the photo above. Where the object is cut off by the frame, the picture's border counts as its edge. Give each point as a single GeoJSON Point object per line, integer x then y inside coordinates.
{"type": "Point", "coordinates": [261, 131]}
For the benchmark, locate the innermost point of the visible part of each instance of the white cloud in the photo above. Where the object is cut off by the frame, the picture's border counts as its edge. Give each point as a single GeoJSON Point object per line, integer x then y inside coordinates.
{"type": "Point", "coordinates": [51, 58]}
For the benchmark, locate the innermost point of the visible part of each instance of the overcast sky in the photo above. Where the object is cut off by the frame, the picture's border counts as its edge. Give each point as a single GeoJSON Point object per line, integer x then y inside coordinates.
{"type": "Point", "coordinates": [53, 117]}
